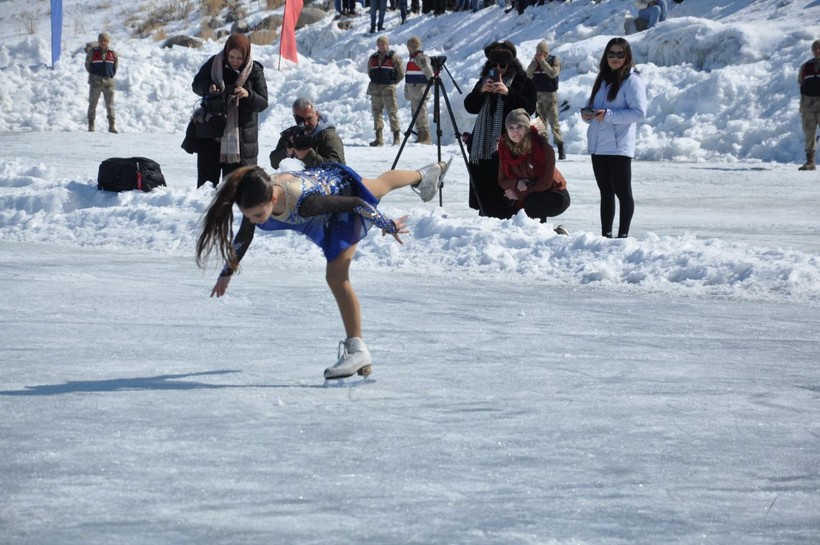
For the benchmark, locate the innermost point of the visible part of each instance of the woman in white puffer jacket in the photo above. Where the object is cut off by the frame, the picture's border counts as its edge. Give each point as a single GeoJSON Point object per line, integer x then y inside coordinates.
{"type": "Point", "coordinates": [616, 104]}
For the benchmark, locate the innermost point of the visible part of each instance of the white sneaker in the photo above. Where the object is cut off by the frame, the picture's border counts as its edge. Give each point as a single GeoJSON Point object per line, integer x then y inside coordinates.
{"type": "Point", "coordinates": [431, 177]}
{"type": "Point", "coordinates": [354, 357]}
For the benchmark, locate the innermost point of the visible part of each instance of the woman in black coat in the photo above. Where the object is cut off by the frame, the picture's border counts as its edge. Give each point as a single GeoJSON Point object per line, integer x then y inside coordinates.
{"type": "Point", "coordinates": [241, 80]}
{"type": "Point", "coordinates": [502, 87]}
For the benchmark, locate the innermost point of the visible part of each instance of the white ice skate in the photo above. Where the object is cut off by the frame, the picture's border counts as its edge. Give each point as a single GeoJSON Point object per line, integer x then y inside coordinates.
{"type": "Point", "coordinates": [432, 176]}
{"type": "Point", "coordinates": [354, 358]}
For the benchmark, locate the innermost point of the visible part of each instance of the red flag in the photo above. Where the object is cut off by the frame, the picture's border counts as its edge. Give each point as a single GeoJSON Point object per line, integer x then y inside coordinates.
{"type": "Point", "coordinates": [287, 41]}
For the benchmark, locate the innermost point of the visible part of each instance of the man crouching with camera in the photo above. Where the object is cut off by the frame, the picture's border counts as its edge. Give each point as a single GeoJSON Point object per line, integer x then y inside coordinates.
{"type": "Point", "coordinates": [313, 140]}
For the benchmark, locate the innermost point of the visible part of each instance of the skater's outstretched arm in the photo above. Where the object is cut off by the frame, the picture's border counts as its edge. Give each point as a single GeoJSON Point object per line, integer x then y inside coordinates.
{"type": "Point", "coordinates": [240, 245]}
{"type": "Point", "coordinates": [316, 205]}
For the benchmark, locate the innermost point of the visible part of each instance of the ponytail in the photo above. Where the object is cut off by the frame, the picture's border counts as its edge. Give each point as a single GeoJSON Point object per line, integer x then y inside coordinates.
{"type": "Point", "coordinates": [246, 186]}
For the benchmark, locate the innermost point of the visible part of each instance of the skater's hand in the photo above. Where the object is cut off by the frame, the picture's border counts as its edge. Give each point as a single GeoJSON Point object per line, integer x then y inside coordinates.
{"type": "Point", "coordinates": [220, 286]}
{"type": "Point", "coordinates": [401, 229]}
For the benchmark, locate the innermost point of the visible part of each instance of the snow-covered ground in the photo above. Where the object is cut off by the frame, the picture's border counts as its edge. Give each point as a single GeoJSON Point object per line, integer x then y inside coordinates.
{"type": "Point", "coordinates": [529, 388]}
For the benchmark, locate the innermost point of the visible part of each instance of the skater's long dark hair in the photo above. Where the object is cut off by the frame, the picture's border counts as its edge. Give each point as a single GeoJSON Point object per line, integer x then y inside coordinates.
{"type": "Point", "coordinates": [614, 77]}
{"type": "Point", "coordinates": [247, 187]}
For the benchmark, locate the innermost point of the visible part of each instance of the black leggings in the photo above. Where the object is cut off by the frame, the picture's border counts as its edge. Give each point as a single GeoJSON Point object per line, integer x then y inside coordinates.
{"type": "Point", "coordinates": [614, 176]}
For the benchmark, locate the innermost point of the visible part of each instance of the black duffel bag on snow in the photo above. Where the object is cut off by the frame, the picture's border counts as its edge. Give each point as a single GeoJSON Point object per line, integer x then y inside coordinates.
{"type": "Point", "coordinates": [127, 174]}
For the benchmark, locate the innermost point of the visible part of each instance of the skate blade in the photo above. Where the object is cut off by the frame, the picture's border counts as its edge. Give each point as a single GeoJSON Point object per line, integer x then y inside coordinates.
{"type": "Point", "coordinates": [351, 380]}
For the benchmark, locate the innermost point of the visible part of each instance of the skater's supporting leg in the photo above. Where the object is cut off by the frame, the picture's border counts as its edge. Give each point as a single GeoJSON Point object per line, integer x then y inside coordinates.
{"type": "Point", "coordinates": [338, 279]}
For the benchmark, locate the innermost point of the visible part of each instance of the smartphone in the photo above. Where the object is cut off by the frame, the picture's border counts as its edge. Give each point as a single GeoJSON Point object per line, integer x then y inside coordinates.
{"type": "Point", "coordinates": [588, 111]}
{"type": "Point", "coordinates": [493, 75]}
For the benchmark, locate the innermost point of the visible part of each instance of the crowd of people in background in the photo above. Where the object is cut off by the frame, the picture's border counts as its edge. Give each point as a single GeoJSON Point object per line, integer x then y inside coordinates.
{"type": "Point", "coordinates": [649, 12]}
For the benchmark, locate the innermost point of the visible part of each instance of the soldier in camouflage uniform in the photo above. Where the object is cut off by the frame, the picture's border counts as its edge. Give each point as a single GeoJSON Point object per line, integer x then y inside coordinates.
{"type": "Point", "coordinates": [101, 64]}
{"type": "Point", "coordinates": [544, 70]}
{"type": "Point", "coordinates": [385, 70]}
{"type": "Point", "coordinates": [809, 80]}
{"type": "Point", "coordinates": [416, 78]}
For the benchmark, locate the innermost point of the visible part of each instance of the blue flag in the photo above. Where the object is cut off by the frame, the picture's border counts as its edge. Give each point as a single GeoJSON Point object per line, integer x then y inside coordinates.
{"type": "Point", "coordinates": [56, 30]}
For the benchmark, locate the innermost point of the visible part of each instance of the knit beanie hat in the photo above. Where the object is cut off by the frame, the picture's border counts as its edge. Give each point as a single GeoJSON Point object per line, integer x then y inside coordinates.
{"type": "Point", "coordinates": [517, 117]}
{"type": "Point", "coordinates": [542, 46]}
{"type": "Point", "coordinates": [414, 43]}
{"type": "Point", "coordinates": [240, 42]}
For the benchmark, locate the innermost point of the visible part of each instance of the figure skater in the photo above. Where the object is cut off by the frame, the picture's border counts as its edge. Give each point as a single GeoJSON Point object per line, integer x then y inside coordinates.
{"type": "Point", "coordinates": [330, 204]}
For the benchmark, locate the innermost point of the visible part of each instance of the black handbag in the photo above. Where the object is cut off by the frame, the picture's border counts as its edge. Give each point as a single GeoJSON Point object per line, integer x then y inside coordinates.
{"type": "Point", "coordinates": [211, 117]}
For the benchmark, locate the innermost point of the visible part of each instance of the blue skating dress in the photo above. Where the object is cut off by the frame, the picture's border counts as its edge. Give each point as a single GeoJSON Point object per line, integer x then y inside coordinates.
{"type": "Point", "coordinates": [332, 232]}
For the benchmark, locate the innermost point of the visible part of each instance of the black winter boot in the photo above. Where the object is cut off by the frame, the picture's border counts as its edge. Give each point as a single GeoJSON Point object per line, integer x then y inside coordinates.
{"type": "Point", "coordinates": [561, 154]}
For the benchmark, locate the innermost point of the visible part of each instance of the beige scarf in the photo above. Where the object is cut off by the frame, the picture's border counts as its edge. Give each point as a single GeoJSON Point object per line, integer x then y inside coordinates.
{"type": "Point", "coordinates": [229, 143]}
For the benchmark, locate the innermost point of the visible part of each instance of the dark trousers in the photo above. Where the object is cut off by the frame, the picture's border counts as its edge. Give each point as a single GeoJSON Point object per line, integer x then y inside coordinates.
{"type": "Point", "coordinates": [546, 204]}
{"type": "Point", "coordinates": [485, 189]}
{"type": "Point", "coordinates": [208, 167]}
{"type": "Point", "coordinates": [613, 173]}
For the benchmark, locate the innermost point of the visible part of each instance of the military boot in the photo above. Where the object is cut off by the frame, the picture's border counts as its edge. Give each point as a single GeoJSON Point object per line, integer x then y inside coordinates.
{"type": "Point", "coordinates": [378, 141]}
{"type": "Point", "coordinates": [424, 137]}
{"type": "Point", "coordinates": [396, 138]}
{"type": "Point", "coordinates": [561, 154]}
{"type": "Point", "coordinates": [810, 164]}
{"type": "Point", "coordinates": [111, 127]}
{"type": "Point", "coordinates": [90, 125]}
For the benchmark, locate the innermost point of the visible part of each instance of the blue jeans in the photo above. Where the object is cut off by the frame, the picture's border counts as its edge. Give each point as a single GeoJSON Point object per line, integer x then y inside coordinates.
{"type": "Point", "coordinates": [654, 14]}
{"type": "Point", "coordinates": [381, 5]}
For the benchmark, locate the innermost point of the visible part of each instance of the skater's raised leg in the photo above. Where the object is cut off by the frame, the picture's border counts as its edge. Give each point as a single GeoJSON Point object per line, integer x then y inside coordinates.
{"type": "Point", "coordinates": [395, 179]}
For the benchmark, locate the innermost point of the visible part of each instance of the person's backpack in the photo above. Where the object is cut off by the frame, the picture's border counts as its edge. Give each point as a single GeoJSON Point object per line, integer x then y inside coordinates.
{"type": "Point", "coordinates": [126, 174]}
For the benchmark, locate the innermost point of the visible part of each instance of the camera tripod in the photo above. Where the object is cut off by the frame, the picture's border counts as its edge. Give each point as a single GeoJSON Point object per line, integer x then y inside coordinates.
{"type": "Point", "coordinates": [435, 82]}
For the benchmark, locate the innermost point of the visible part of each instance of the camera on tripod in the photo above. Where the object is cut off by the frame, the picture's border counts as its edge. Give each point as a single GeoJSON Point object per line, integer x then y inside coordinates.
{"type": "Point", "coordinates": [438, 61]}
{"type": "Point", "coordinates": [298, 137]}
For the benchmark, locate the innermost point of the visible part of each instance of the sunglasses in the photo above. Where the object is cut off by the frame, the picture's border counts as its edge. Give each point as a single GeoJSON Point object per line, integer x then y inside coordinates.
{"type": "Point", "coordinates": [500, 65]}
{"type": "Point", "coordinates": [615, 54]}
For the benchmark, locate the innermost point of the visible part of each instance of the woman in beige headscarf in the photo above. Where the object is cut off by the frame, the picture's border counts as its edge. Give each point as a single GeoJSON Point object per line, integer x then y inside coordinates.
{"type": "Point", "coordinates": [233, 74]}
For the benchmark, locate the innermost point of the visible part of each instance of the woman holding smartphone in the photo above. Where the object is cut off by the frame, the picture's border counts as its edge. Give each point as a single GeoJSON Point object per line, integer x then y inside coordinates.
{"type": "Point", "coordinates": [502, 87]}
{"type": "Point", "coordinates": [615, 106]}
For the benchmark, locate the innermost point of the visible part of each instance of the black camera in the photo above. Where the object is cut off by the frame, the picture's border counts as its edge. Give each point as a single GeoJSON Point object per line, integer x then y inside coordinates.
{"type": "Point", "coordinates": [298, 137]}
{"type": "Point", "coordinates": [438, 61]}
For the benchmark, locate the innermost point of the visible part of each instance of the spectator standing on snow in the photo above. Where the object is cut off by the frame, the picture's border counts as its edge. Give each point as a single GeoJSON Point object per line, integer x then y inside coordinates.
{"type": "Point", "coordinates": [240, 80]}
{"type": "Point", "coordinates": [416, 78]}
{"type": "Point", "coordinates": [809, 80]}
{"type": "Point", "coordinates": [615, 106]}
{"type": "Point", "coordinates": [544, 69]}
{"type": "Point", "coordinates": [377, 7]}
{"type": "Point", "coordinates": [101, 63]}
{"type": "Point", "coordinates": [385, 70]}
